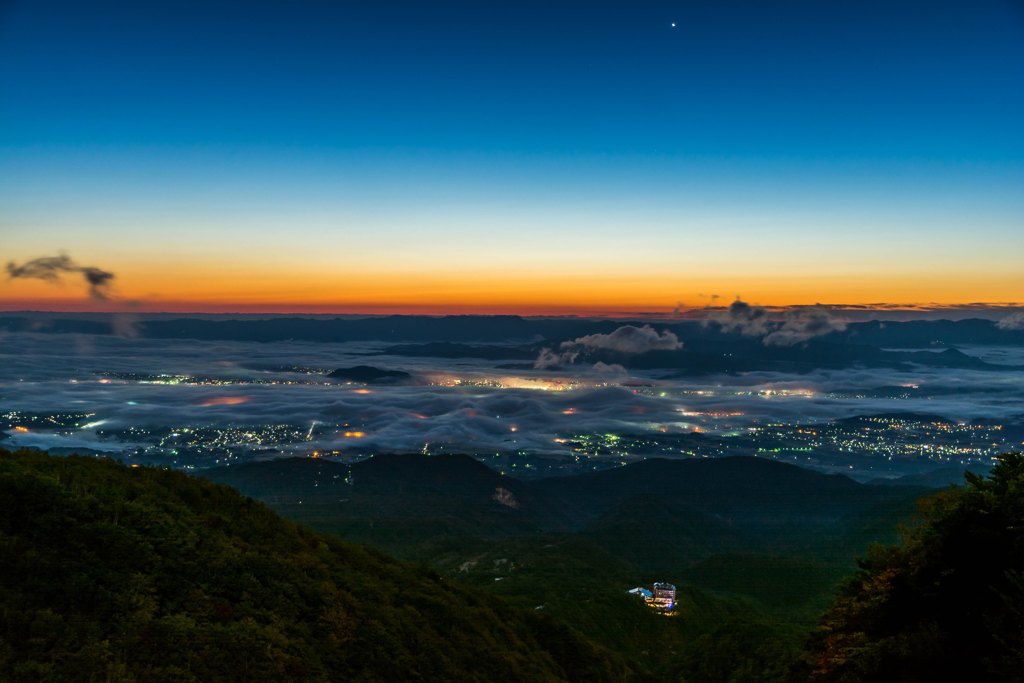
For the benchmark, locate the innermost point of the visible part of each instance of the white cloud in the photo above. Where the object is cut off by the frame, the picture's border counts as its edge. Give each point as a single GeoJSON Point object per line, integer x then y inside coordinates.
{"type": "Point", "coordinates": [1014, 321]}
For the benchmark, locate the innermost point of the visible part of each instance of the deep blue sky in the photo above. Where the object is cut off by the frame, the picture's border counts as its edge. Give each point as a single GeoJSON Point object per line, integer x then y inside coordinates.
{"type": "Point", "coordinates": [932, 80]}
{"type": "Point", "coordinates": [856, 119]}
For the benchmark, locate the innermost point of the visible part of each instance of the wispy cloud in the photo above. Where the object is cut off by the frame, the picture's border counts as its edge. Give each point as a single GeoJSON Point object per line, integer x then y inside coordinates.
{"type": "Point", "coordinates": [800, 325]}
{"type": "Point", "coordinates": [742, 318]}
{"type": "Point", "coordinates": [1012, 322]}
{"type": "Point", "coordinates": [52, 268]}
{"type": "Point", "coordinates": [793, 326]}
{"type": "Point", "coordinates": [627, 339]}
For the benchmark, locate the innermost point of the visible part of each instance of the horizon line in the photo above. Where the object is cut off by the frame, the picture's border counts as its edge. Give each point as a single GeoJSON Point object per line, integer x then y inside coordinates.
{"type": "Point", "coordinates": [679, 312]}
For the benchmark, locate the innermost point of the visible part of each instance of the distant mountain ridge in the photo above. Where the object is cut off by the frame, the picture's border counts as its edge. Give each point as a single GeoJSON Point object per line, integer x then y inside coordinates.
{"type": "Point", "coordinates": [379, 499]}
{"type": "Point", "coordinates": [915, 334]}
{"type": "Point", "coordinates": [705, 348]}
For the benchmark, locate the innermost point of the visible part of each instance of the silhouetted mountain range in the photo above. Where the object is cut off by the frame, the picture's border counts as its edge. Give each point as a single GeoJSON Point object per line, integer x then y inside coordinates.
{"type": "Point", "coordinates": [706, 348]}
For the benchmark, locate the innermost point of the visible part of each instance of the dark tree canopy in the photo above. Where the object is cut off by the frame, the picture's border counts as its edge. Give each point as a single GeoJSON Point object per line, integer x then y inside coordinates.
{"type": "Point", "coordinates": [115, 574]}
{"type": "Point", "coordinates": [946, 604]}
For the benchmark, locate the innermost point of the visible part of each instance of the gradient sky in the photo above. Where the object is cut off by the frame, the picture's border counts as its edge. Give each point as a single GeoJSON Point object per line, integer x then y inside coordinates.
{"type": "Point", "coordinates": [514, 156]}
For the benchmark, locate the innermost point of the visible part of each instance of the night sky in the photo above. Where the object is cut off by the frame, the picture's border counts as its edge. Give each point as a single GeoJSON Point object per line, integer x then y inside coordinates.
{"type": "Point", "coordinates": [514, 156]}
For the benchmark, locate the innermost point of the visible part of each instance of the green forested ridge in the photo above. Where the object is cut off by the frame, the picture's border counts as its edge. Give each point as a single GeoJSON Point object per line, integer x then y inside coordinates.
{"type": "Point", "coordinates": [115, 574]}
{"type": "Point", "coordinates": [755, 546]}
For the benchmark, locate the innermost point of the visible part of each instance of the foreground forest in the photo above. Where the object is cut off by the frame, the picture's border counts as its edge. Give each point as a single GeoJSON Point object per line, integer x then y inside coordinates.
{"type": "Point", "coordinates": [111, 573]}
{"type": "Point", "coordinates": [946, 604]}
{"type": "Point", "coordinates": [117, 574]}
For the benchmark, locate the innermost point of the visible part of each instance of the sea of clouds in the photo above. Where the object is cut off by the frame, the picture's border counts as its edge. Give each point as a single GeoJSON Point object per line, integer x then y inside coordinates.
{"type": "Point", "coordinates": [452, 403]}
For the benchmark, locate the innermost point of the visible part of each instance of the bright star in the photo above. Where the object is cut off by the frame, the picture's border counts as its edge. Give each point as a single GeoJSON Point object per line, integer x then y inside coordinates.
{"type": "Point", "coordinates": [673, 24]}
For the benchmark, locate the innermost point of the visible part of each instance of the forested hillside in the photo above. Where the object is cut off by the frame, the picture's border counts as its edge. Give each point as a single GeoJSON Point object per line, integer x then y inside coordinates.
{"type": "Point", "coordinates": [756, 546]}
{"type": "Point", "coordinates": [114, 574]}
{"type": "Point", "coordinates": [947, 603]}
{"type": "Point", "coordinates": [111, 573]}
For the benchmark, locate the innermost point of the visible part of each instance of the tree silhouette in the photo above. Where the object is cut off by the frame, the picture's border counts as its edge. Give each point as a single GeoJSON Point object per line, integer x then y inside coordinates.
{"type": "Point", "coordinates": [946, 604]}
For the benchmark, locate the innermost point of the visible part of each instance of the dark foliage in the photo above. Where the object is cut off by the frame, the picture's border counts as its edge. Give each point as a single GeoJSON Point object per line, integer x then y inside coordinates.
{"type": "Point", "coordinates": [756, 546]}
{"type": "Point", "coordinates": [115, 574]}
{"type": "Point", "coordinates": [946, 604]}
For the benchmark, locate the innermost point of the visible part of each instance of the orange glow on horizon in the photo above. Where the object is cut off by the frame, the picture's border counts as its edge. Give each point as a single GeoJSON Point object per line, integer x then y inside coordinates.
{"type": "Point", "coordinates": [617, 293]}
{"type": "Point", "coordinates": [525, 309]}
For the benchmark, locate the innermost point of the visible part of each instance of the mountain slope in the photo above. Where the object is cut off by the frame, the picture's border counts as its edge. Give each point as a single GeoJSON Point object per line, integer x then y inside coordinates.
{"type": "Point", "coordinates": [415, 506]}
{"type": "Point", "coordinates": [945, 604]}
{"type": "Point", "coordinates": [769, 536]}
{"type": "Point", "coordinates": [118, 574]}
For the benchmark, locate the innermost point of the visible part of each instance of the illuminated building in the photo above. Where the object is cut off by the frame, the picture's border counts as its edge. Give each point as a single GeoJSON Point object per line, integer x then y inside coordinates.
{"type": "Point", "coordinates": [642, 592]}
{"type": "Point", "coordinates": [664, 596]}
{"type": "Point", "coordinates": [661, 598]}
